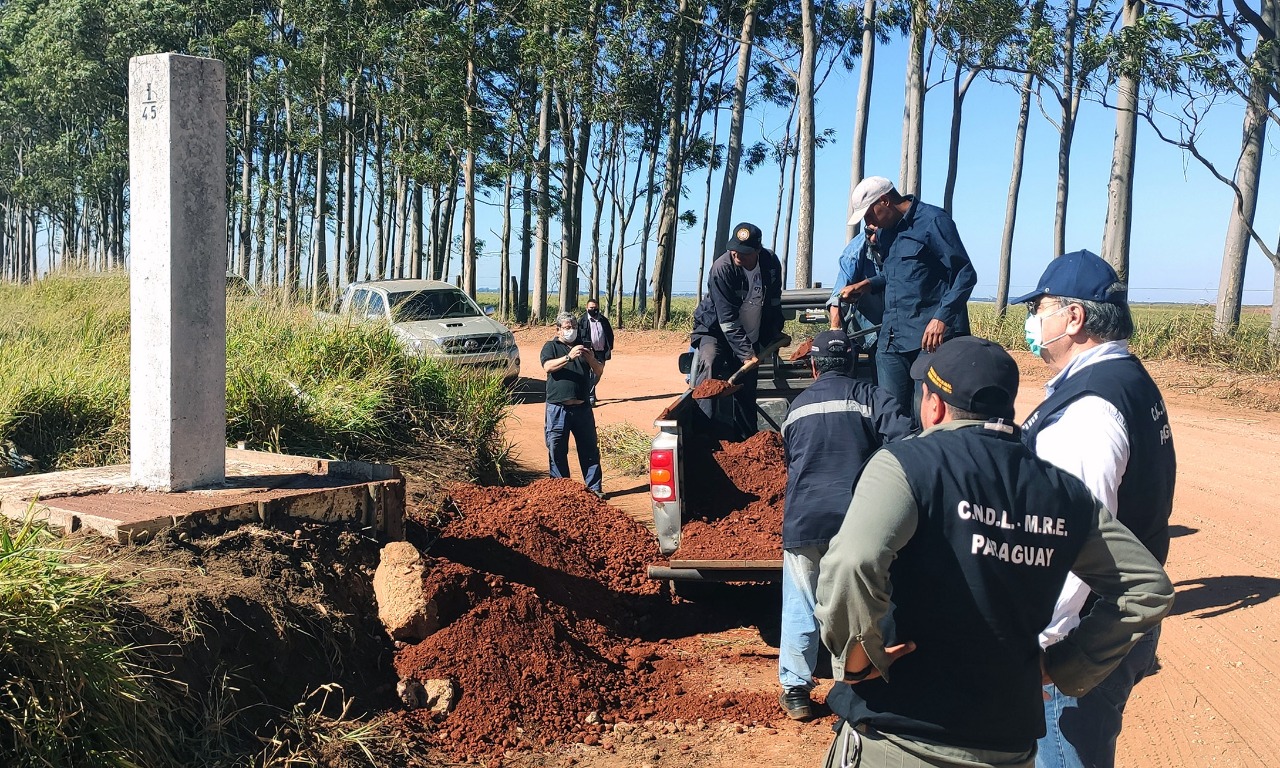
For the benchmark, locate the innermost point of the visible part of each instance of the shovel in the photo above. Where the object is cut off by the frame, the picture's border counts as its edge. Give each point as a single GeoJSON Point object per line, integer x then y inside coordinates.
{"type": "Point", "coordinates": [732, 385]}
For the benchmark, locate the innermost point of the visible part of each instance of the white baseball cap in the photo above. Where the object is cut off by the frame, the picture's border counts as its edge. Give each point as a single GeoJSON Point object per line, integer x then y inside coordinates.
{"type": "Point", "coordinates": [865, 194]}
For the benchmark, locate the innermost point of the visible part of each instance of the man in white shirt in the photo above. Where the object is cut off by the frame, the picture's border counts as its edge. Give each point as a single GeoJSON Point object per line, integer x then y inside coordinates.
{"type": "Point", "coordinates": [1103, 420]}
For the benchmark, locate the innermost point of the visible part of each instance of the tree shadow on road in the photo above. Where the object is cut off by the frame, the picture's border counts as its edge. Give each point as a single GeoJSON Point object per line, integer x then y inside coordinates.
{"type": "Point", "coordinates": [1217, 595]}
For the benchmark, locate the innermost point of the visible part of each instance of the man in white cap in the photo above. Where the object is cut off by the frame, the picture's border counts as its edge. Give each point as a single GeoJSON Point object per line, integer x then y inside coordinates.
{"type": "Point", "coordinates": [926, 279]}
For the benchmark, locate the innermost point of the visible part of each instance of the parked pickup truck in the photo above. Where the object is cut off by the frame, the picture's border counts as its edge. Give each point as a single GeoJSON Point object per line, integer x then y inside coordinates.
{"type": "Point", "coordinates": [780, 382]}
{"type": "Point", "coordinates": [438, 320]}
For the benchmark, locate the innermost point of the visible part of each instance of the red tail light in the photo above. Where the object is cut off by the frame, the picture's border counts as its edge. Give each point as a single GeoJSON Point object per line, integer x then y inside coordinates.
{"type": "Point", "coordinates": [662, 475]}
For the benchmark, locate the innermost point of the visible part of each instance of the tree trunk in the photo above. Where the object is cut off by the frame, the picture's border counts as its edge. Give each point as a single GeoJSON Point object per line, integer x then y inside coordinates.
{"type": "Point", "coordinates": [1235, 251]}
{"type": "Point", "coordinates": [469, 168]}
{"type": "Point", "coordinates": [859, 154]}
{"type": "Point", "coordinates": [526, 245]}
{"type": "Point", "coordinates": [504, 277]}
{"type": "Point", "coordinates": [706, 203]}
{"type": "Point", "coordinates": [543, 232]}
{"type": "Point", "coordinates": [913, 117]}
{"type": "Point", "coordinates": [1116, 232]}
{"type": "Point", "coordinates": [808, 135]}
{"type": "Point", "coordinates": [959, 88]}
{"type": "Point", "coordinates": [246, 179]}
{"type": "Point", "coordinates": [1070, 102]}
{"type": "Point", "coordinates": [669, 216]}
{"type": "Point", "coordinates": [1011, 203]}
{"type": "Point", "coordinates": [350, 218]}
{"type": "Point", "coordinates": [733, 154]}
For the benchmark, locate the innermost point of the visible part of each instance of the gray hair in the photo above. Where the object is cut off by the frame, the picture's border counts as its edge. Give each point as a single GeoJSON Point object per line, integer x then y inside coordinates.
{"type": "Point", "coordinates": [560, 318]}
{"type": "Point", "coordinates": [1106, 321]}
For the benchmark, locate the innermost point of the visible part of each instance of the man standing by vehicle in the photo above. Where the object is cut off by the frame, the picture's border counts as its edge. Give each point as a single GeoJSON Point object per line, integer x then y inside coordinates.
{"type": "Point", "coordinates": [946, 567]}
{"type": "Point", "coordinates": [833, 426]}
{"type": "Point", "coordinates": [926, 280]}
{"type": "Point", "coordinates": [1103, 420]}
{"type": "Point", "coordinates": [741, 311]}
{"type": "Point", "coordinates": [597, 334]}
{"type": "Point", "coordinates": [569, 366]}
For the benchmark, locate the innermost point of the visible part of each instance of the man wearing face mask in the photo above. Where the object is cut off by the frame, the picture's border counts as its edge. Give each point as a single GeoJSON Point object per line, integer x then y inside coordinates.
{"type": "Point", "coordinates": [740, 313]}
{"type": "Point", "coordinates": [570, 368]}
{"type": "Point", "coordinates": [1103, 420]}
{"type": "Point", "coordinates": [597, 335]}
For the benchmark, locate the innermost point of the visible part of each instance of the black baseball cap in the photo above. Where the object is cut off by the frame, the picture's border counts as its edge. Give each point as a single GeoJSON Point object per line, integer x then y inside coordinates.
{"type": "Point", "coordinates": [1078, 275]}
{"type": "Point", "coordinates": [745, 238]}
{"type": "Point", "coordinates": [832, 344]}
{"type": "Point", "coordinates": [971, 373]}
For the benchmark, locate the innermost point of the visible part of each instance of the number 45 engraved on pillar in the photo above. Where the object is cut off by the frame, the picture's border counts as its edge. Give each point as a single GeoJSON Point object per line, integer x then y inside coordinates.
{"type": "Point", "coordinates": [149, 105]}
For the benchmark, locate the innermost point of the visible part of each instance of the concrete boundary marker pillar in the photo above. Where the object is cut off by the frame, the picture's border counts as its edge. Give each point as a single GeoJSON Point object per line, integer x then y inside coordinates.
{"type": "Point", "coordinates": [177, 265]}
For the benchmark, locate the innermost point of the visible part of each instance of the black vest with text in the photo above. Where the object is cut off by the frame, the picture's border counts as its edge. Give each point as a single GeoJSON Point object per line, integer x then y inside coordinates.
{"type": "Point", "coordinates": [1145, 496]}
{"type": "Point", "coordinates": [997, 532]}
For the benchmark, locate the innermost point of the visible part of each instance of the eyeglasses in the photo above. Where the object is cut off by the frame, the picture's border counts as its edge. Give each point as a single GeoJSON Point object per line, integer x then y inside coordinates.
{"type": "Point", "coordinates": [1035, 305]}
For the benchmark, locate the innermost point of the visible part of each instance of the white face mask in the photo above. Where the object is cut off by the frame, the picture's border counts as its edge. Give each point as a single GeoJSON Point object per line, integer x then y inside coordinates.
{"type": "Point", "coordinates": [568, 335]}
{"type": "Point", "coordinates": [1034, 330]}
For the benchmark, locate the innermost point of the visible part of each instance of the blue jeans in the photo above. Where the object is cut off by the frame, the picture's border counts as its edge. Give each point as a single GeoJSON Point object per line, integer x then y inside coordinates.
{"type": "Point", "coordinates": [579, 421]}
{"type": "Point", "coordinates": [893, 374]}
{"type": "Point", "coordinates": [798, 648]}
{"type": "Point", "coordinates": [1082, 732]}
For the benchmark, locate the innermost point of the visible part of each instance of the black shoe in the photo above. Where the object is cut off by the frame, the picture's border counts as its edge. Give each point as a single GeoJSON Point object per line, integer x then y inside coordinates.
{"type": "Point", "coordinates": [796, 703]}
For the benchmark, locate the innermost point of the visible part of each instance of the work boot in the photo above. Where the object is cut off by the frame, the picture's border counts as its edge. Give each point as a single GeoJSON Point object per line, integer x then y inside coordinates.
{"type": "Point", "coordinates": [796, 703]}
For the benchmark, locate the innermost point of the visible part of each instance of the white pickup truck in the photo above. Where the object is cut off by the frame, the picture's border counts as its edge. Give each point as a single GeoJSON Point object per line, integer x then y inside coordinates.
{"type": "Point", "coordinates": [438, 320]}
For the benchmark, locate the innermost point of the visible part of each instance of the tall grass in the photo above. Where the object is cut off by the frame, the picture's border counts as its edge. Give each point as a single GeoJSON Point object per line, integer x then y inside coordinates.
{"type": "Point", "coordinates": [1162, 331]}
{"type": "Point", "coordinates": [71, 692]}
{"type": "Point", "coordinates": [295, 383]}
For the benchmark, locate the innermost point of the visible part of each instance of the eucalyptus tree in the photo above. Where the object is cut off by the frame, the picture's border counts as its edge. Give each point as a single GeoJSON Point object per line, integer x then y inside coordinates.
{"type": "Point", "coordinates": [1080, 54]}
{"type": "Point", "coordinates": [976, 36]}
{"type": "Point", "coordinates": [1127, 65]}
{"type": "Point", "coordinates": [1223, 55]}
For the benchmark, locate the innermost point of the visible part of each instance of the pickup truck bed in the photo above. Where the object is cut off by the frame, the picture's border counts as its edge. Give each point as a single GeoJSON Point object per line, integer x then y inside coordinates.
{"type": "Point", "coordinates": [682, 432]}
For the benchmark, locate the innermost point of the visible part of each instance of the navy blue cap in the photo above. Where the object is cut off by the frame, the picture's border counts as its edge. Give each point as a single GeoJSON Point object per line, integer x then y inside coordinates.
{"type": "Point", "coordinates": [831, 344]}
{"type": "Point", "coordinates": [745, 238]}
{"type": "Point", "coordinates": [1077, 275]}
{"type": "Point", "coordinates": [971, 373]}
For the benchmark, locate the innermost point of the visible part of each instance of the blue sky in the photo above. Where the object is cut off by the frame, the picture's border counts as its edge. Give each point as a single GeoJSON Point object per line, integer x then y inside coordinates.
{"type": "Point", "coordinates": [1180, 210]}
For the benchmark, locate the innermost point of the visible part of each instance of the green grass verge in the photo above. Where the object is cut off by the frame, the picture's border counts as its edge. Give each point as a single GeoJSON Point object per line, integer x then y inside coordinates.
{"type": "Point", "coordinates": [625, 448]}
{"type": "Point", "coordinates": [71, 690]}
{"type": "Point", "coordinates": [295, 383]}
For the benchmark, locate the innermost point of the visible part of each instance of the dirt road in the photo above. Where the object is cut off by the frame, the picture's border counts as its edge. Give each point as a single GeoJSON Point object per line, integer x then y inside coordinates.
{"type": "Point", "coordinates": [1211, 702]}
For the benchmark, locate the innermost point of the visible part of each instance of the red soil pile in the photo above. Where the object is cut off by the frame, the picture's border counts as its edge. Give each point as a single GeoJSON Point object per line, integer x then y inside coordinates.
{"type": "Point", "coordinates": [545, 606]}
{"type": "Point", "coordinates": [735, 510]}
{"type": "Point", "coordinates": [714, 388]}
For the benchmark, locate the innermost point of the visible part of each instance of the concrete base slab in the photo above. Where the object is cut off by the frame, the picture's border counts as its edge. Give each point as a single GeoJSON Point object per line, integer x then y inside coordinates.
{"type": "Point", "coordinates": [258, 487]}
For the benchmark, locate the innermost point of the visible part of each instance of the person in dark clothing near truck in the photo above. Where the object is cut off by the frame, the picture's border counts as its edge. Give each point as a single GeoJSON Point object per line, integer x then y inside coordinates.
{"type": "Point", "coordinates": [740, 313]}
{"type": "Point", "coordinates": [569, 366]}
{"type": "Point", "coordinates": [832, 428]}
{"type": "Point", "coordinates": [926, 278]}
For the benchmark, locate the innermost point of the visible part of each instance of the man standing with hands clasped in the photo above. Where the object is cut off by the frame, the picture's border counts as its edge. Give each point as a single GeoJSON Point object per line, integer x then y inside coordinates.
{"type": "Point", "coordinates": [947, 566]}
{"type": "Point", "coordinates": [596, 334]}
{"type": "Point", "coordinates": [926, 278]}
{"type": "Point", "coordinates": [569, 366]}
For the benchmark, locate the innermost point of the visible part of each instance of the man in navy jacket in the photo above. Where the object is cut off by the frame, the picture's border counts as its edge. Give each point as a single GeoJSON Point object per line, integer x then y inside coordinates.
{"type": "Point", "coordinates": [832, 427]}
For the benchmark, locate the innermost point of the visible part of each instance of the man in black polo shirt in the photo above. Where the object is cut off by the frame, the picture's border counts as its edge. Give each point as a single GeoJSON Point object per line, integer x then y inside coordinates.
{"type": "Point", "coordinates": [947, 566]}
{"type": "Point", "coordinates": [570, 366]}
